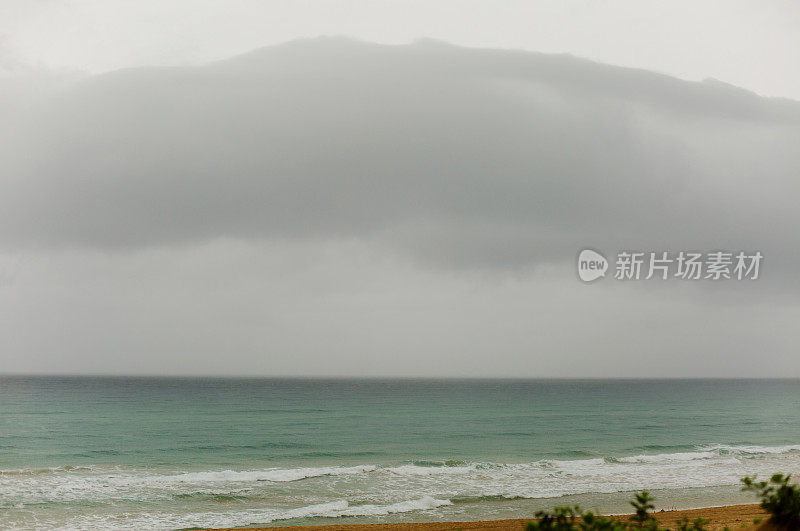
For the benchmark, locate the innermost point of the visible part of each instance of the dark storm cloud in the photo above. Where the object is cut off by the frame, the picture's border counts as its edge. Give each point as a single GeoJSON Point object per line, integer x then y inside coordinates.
{"type": "Point", "coordinates": [459, 156]}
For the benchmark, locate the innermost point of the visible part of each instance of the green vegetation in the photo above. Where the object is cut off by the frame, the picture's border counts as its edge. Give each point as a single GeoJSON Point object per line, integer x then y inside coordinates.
{"type": "Point", "coordinates": [642, 504]}
{"type": "Point", "coordinates": [698, 524]}
{"type": "Point", "coordinates": [573, 519]}
{"type": "Point", "coordinates": [779, 497]}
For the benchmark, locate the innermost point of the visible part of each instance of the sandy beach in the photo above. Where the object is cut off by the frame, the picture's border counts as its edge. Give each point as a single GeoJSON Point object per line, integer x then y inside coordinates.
{"type": "Point", "coordinates": [731, 516]}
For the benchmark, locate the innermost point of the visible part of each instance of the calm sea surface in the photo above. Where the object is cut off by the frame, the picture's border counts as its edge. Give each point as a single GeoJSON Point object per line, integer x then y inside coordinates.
{"type": "Point", "coordinates": [87, 453]}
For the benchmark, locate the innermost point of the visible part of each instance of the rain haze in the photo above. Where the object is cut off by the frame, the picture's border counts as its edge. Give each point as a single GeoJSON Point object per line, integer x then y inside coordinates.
{"type": "Point", "coordinates": [395, 189]}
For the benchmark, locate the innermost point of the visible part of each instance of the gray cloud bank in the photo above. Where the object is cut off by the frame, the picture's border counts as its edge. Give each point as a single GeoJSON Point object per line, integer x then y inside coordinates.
{"type": "Point", "coordinates": [463, 157]}
{"type": "Point", "coordinates": [308, 209]}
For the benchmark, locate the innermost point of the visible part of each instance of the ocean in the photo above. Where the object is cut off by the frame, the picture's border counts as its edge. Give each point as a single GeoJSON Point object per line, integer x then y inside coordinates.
{"type": "Point", "coordinates": [176, 453]}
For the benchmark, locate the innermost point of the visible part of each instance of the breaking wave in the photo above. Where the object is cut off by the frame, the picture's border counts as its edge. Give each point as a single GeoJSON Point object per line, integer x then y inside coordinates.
{"type": "Point", "coordinates": [369, 490]}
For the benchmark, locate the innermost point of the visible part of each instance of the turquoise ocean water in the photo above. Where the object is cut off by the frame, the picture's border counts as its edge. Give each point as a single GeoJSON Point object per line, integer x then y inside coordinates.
{"type": "Point", "coordinates": [150, 453]}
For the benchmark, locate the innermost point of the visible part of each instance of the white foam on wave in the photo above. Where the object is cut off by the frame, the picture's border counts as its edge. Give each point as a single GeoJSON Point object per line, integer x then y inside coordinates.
{"type": "Point", "coordinates": [752, 449]}
{"type": "Point", "coordinates": [710, 466]}
{"type": "Point", "coordinates": [263, 494]}
{"type": "Point", "coordinates": [419, 470]}
{"type": "Point", "coordinates": [684, 457]}
{"type": "Point", "coordinates": [52, 470]}
{"type": "Point", "coordinates": [334, 509]}
{"type": "Point", "coordinates": [421, 504]}
{"type": "Point", "coordinates": [269, 474]}
{"type": "Point", "coordinates": [98, 484]}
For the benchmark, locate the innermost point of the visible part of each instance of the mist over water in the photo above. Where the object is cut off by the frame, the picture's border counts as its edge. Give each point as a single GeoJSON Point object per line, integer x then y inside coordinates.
{"type": "Point", "coordinates": [177, 453]}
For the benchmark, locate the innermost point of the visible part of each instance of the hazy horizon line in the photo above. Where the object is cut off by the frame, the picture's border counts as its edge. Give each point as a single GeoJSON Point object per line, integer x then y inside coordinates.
{"type": "Point", "coordinates": [394, 377]}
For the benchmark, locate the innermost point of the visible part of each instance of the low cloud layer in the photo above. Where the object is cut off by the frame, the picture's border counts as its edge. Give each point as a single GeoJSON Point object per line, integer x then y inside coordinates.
{"type": "Point", "coordinates": [459, 156]}
{"type": "Point", "coordinates": [334, 207]}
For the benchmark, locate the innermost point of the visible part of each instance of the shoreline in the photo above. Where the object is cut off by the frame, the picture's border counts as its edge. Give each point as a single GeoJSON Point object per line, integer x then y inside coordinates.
{"type": "Point", "coordinates": [731, 516]}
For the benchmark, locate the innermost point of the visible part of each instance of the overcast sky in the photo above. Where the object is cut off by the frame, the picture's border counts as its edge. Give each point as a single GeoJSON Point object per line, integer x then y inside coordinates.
{"type": "Point", "coordinates": [210, 188]}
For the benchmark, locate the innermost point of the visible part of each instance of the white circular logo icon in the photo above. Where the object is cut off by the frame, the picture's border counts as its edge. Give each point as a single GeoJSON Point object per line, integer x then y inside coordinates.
{"type": "Point", "coordinates": [591, 265]}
